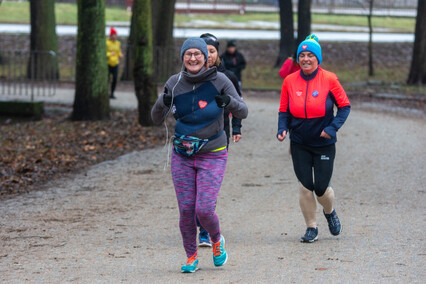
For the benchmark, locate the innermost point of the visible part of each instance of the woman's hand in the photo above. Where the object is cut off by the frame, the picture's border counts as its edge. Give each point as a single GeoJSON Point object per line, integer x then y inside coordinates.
{"type": "Point", "coordinates": [222, 100]}
{"type": "Point", "coordinates": [325, 135]}
{"type": "Point", "coordinates": [282, 136]}
{"type": "Point", "coordinates": [236, 137]}
{"type": "Point", "coordinates": [167, 98]}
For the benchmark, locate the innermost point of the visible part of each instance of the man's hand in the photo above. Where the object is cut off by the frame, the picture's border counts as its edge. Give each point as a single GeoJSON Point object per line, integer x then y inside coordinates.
{"type": "Point", "coordinates": [282, 136]}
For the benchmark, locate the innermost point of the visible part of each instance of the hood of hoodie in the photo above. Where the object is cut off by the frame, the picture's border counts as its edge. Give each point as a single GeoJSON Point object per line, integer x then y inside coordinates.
{"type": "Point", "coordinates": [203, 75]}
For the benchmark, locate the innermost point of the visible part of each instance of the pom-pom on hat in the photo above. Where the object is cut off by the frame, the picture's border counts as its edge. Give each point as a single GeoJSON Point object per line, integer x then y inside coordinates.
{"type": "Point", "coordinates": [310, 44]}
{"type": "Point", "coordinates": [194, 42]}
{"type": "Point", "coordinates": [112, 31]}
{"type": "Point", "coordinates": [210, 40]}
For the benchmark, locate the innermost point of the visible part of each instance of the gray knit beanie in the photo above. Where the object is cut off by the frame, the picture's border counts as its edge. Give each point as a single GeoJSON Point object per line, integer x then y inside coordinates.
{"type": "Point", "coordinates": [194, 42]}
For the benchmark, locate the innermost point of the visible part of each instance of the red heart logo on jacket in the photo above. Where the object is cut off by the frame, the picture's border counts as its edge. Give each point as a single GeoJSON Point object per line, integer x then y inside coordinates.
{"type": "Point", "coordinates": [202, 104]}
{"type": "Point", "coordinates": [304, 46]}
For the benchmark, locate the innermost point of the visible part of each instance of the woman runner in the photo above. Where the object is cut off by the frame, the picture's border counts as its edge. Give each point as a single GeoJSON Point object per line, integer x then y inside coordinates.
{"type": "Point", "coordinates": [306, 111]}
{"type": "Point", "coordinates": [197, 97]}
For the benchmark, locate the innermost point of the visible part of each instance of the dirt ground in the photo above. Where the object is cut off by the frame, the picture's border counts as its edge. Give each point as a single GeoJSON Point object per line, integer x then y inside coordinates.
{"type": "Point", "coordinates": [118, 222]}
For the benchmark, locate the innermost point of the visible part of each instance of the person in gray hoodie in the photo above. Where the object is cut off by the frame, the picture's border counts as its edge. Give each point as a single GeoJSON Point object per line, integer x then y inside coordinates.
{"type": "Point", "coordinates": [197, 97]}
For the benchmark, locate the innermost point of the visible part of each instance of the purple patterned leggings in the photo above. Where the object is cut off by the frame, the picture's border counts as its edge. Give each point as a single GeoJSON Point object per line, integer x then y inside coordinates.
{"type": "Point", "coordinates": [197, 182]}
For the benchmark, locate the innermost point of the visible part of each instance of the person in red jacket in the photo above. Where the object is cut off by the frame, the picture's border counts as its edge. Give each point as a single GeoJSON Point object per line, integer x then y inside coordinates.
{"type": "Point", "coordinates": [307, 113]}
{"type": "Point", "coordinates": [290, 65]}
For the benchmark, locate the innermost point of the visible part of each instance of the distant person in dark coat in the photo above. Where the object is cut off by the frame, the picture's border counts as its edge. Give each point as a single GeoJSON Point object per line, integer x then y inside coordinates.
{"type": "Point", "coordinates": [233, 60]}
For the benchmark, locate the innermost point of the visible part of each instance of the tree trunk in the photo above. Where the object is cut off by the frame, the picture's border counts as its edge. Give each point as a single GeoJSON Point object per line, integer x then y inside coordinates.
{"type": "Point", "coordinates": [286, 32]}
{"type": "Point", "coordinates": [91, 100]}
{"type": "Point", "coordinates": [303, 20]}
{"type": "Point", "coordinates": [417, 74]}
{"type": "Point", "coordinates": [162, 28]}
{"type": "Point", "coordinates": [43, 63]}
{"type": "Point", "coordinates": [163, 12]}
{"type": "Point", "coordinates": [370, 40]}
{"type": "Point", "coordinates": [128, 58]}
{"type": "Point", "coordinates": [145, 88]}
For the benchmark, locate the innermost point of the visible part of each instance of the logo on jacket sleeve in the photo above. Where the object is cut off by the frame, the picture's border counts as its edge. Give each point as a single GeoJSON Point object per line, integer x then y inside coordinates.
{"type": "Point", "coordinates": [315, 94]}
{"type": "Point", "coordinates": [202, 104]}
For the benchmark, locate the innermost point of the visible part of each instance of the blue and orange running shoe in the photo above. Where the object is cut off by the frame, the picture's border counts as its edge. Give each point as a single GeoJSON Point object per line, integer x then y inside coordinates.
{"type": "Point", "coordinates": [191, 265]}
{"type": "Point", "coordinates": [219, 253]}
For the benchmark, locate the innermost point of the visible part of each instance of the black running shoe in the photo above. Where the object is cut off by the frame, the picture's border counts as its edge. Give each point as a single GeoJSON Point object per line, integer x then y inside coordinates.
{"type": "Point", "coordinates": [333, 223]}
{"type": "Point", "coordinates": [310, 236]}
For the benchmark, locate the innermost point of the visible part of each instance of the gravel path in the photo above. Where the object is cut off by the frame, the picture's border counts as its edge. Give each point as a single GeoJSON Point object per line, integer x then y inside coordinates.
{"type": "Point", "coordinates": [119, 220]}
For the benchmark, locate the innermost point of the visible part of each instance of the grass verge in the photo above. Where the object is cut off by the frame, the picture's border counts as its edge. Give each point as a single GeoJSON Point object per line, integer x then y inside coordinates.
{"type": "Point", "coordinates": [385, 80]}
{"type": "Point", "coordinates": [66, 14]}
{"type": "Point", "coordinates": [397, 24]}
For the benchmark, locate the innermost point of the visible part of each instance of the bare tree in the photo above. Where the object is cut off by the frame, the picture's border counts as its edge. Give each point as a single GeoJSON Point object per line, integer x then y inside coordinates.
{"type": "Point", "coordinates": [418, 64]}
{"type": "Point", "coordinates": [163, 12]}
{"type": "Point", "coordinates": [303, 20]}
{"type": "Point", "coordinates": [368, 5]}
{"type": "Point", "coordinates": [91, 101]}
{"type": "Point", "coordinates": [162, 27]}
{"type": "Point", "coordinates": [287, 43]}
{"type": "Point", "coordinates": [370, 39]}
{"type": "Point", "coordinates": [43, 63]}
{"type": "Point", "coordinates": [128, 58]}
{"type": "Point", "coordinates": [145, 88]}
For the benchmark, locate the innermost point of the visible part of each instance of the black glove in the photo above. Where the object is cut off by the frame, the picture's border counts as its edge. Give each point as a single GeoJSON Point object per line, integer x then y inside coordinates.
{"type": "Point", "coordinates": [222, 100]}
{"type": "Point", "coordinates": [167, 98]}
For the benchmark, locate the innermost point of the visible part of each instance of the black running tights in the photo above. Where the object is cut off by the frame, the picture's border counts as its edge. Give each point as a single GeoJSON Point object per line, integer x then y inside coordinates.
{"type": "Point", "coordinates": [313, 166]}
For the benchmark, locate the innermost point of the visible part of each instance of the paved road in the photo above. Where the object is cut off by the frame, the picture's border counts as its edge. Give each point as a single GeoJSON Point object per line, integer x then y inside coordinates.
{"type": "Point", "coordinates": [353, 36]}
{"type": "Point", "coordinates": [119, 220]}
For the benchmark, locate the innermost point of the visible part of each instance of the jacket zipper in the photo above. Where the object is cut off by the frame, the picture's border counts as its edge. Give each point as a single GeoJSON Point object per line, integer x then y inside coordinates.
{"type": "Point", "coordinates": [193, 98]}
{"type": "Point", "coordinates": [306, 99]}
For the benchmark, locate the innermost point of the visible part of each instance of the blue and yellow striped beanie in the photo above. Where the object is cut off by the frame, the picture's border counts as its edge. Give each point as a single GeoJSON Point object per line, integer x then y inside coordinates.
{"type": "Point", "coordinates": [310, 44]}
